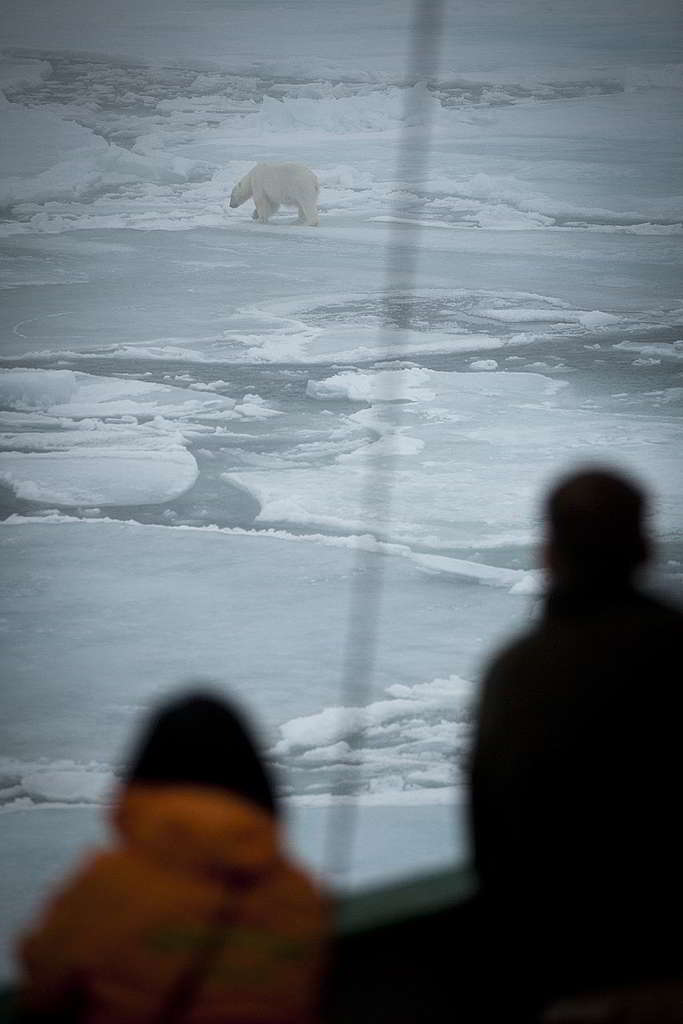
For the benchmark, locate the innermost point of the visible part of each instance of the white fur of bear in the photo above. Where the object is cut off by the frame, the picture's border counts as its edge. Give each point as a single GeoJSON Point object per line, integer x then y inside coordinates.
{"type": "Point", "coordinates": [274, 185]}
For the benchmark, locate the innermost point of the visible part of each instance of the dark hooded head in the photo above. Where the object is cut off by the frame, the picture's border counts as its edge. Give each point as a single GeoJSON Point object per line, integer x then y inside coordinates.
{"type": "Point", "coordinates": [201, 740]}
{"type": "Point", "coordinates": [595, 528]}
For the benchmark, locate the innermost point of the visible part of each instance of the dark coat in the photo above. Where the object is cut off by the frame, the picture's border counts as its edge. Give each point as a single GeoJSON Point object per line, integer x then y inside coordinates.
{"type": "Point", "coordinates": [576, 787]}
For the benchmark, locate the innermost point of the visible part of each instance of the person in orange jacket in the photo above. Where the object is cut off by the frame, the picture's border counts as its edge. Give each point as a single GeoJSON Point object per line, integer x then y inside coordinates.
{"type": "Point", "coordinates": [194, 914]}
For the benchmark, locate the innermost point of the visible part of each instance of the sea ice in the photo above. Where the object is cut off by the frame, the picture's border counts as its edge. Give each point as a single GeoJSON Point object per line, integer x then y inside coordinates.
{"type": "Point", "coordinates": [121, 442]}
{"type": "Point", "coordinates": [462, 458]}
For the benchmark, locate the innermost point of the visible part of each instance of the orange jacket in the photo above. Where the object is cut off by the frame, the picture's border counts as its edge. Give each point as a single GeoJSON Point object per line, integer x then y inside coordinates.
{"type": "Point", "coordinates": [131, 921]}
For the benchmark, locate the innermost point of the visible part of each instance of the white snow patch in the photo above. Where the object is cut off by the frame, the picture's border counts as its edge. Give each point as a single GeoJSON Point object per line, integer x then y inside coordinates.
{"type": "Point", "coordinates": [99, 476]}
{"type": "Point", "coordinates": [483, 364]}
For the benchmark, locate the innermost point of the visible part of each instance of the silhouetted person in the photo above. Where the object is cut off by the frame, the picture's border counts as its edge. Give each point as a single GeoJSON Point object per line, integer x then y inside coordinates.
{"type": "Point", "coordinates": [193, 914]}
{"type": "Point", "coordinates": [576, 769]}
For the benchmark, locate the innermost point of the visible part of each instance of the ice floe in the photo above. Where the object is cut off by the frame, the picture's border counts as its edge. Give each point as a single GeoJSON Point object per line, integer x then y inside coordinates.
{"type": "Point", "coordinates": [117, 442]}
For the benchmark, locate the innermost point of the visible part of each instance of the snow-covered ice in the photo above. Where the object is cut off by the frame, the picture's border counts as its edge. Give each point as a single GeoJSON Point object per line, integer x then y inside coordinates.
{"type": "Point", "coordinates": [121, 442]}
{"type": "Point", "coordinates": [214, 432]}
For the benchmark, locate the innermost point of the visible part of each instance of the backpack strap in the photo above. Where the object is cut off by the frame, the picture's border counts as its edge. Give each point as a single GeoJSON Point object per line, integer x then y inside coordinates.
{"type": "Point", "coordinates": [178, 1001]}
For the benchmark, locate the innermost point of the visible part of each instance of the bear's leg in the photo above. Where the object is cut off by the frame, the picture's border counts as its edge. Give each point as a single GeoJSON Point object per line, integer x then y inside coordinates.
{"type": "Point", "coordinates": [309, 214]}
{"type": "Point", "coordinates": [254, 215]}
{"type": "Point", "coordinates": [262, 209]}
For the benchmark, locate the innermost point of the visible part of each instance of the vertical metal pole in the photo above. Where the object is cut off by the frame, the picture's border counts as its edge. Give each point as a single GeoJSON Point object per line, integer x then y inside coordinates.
{"type": "Point", "coordinates": [377, 488]}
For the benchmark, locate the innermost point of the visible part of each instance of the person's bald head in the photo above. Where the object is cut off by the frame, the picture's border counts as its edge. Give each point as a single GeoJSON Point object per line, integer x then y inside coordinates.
{"type": "Point", "coordinates": [594, 523]}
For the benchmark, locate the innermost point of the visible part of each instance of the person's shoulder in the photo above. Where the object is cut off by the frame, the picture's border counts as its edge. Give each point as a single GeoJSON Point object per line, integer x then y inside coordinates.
{"type": "Point", "coordinates": [68, 905]}
{"type": "Point", "coordinates": [87, 871]}
{"type": "Point", "coordinates": [301, 881]}
{"type": "Point", "coordinates": [96, 875]}
{"type": "Point", "coordinates": [295, 896]}
{"type": "Point", "coordinates": [663, 606]}
{"type": "Point", "coordinates": [518, 649]}
{"type": "Point", "coordinates": [659, 614]}
{"type": "Point", "coordinates": [105, 879]}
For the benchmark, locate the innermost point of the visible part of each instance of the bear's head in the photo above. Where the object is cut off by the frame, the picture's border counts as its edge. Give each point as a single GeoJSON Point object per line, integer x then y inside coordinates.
{"type": "Point", "coordinates": [240, 193]}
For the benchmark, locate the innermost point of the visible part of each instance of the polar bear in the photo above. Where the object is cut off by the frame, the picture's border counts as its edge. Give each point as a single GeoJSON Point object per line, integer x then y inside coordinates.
{"type": "Point", "coordinates": [274, 184]}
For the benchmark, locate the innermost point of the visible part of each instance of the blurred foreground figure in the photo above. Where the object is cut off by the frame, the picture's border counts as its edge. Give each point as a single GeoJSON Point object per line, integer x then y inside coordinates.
{"type": "Point", "coordinates": [576, 777]}
{"type": "Point", "coordinates": [194, 914]}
